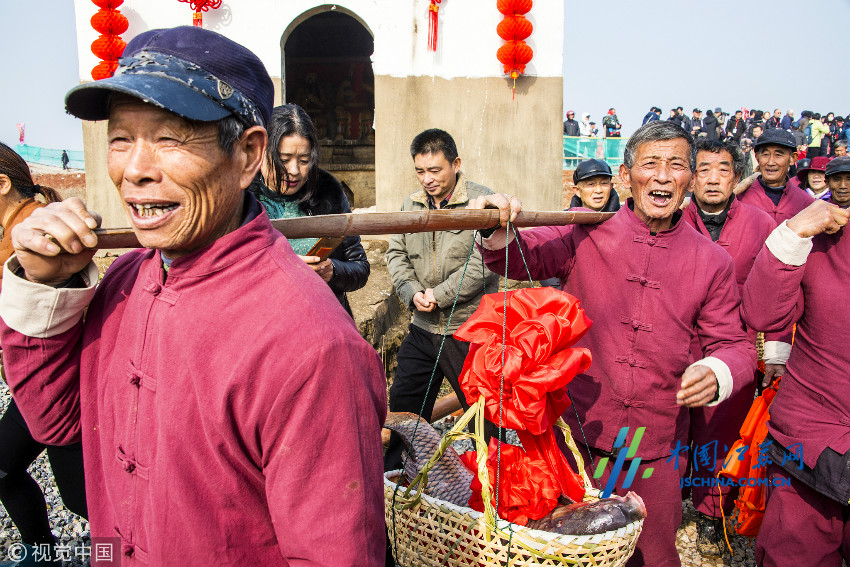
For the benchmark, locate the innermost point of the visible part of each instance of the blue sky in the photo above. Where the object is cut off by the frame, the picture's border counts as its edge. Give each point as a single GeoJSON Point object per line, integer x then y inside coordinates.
{"type": "Point", "coordinates": [621, 53]}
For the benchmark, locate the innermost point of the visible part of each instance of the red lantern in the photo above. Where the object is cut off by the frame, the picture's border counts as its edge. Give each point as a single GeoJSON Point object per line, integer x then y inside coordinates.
{"type": "Point", "coordinates": [107, 4]}
{"type": "Point", "coordinates": [104, 70]}
{"type": "Point", "coordinates": [109, 22]}
{"type": "Point", "coordinates": [513, 7]}
{"type": "Point", "coordinates": [108, 47]}
{"type": "Point", "coordinates": [514, 55]}
{"type": "Point", "coordinates": [514, 28]}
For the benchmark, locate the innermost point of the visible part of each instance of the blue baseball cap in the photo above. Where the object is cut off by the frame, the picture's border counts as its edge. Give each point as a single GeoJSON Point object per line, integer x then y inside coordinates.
{"type": "Point", "coordinates": [193, 72]}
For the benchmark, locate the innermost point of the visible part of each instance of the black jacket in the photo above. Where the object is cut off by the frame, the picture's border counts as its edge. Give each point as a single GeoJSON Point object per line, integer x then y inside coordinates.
{"type": "Point", "coordinates": [351, 268]}
{"type": "Point", "coordinates": [709, 124]}
{"type": "Point", "coordinates": [571, 128]}
{"type": "Point", "coordinates": [735, 128]}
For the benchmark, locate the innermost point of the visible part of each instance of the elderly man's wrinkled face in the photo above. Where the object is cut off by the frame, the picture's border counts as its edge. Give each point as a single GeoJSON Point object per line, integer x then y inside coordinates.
{"type": "Point", "coordinates": [714, 180]}
{"type": "Point", "coordinates": [659, 178]}
{"type": "Point", "coordinates": [594, 191]}
{"type": "Point", "coordinates": [840, 151]}
{"type": "Point", "coordinates": [774, 162]}
{"type": "Point", "coordinates": [839, 187]}
{"type": "Point", "coordinates": [180, 189]}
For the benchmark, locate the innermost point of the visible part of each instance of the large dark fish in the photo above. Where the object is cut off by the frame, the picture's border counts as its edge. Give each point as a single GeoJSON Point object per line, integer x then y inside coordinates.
{"type": "Point", "coordinates": [449, 480]}
{"type": "Point", "coordinates": [587, 518]}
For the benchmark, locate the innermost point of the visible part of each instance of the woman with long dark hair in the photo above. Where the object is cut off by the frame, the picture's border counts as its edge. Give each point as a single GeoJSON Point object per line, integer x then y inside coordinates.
{"type": "Point", "coordinates": [19, 493]}
{"type": "Point", "coordinates": [296, 187]}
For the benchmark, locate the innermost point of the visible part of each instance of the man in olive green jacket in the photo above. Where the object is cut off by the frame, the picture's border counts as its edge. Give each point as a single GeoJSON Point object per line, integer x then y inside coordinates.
{"type": "Point", "coordinates": [427, 269]}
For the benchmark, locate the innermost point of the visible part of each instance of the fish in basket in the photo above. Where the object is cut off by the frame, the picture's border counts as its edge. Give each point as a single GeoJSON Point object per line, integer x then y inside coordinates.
{"type": "Point", "coordinates": [435, 526]}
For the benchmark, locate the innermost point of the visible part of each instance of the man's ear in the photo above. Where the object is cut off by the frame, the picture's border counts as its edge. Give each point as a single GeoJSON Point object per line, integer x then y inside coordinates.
{"type": "Point", "coordinates": [252, 150]}
{"type": "Point", "coordinates": [625, 176]}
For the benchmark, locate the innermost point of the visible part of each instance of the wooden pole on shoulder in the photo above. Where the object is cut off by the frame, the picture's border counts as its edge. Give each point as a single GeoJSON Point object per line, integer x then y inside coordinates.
{"type": "Point", "coordinates": [387, 223]}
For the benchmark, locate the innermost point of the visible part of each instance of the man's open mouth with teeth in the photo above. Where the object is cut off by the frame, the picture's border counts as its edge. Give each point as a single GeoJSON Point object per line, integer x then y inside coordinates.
{"type": "Point", "coordinates": [152, 209]}
{"type": "Point", "coordinates": [660, 198]}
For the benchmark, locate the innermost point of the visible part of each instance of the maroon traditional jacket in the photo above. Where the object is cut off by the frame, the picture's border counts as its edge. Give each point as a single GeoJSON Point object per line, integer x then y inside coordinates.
{"type": "Point", "coordinates": [813, 403]}
{"type": "Point", "coordinates": [648, 295]}
{"type": "Point", "coordinates": [229, 416]}
{"type": "Point", "coordinates": [792, 202]}
{"type": "Point", "coordinates": [742, 236]}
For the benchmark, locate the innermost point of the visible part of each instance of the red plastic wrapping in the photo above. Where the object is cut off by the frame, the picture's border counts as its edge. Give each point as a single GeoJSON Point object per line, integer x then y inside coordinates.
{"type": "Point", "coordinates": [526, 489]}
{"type": "Point", "coordinates": [542, 325]}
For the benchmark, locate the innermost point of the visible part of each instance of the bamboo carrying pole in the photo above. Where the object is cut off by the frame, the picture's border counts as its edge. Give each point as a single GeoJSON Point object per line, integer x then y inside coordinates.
{"type": "Point", "coordinates": [387, 223]}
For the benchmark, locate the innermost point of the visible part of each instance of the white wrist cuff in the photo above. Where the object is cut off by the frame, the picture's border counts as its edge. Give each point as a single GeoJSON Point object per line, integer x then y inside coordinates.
{"type": "Point", "coordinates": [776, 352]}
{"type": "Point", "coordinates": [787, 247]}
{"type": "Point", "coordinates": [723, 375]}
{"type": "Point", "coordinates": [41, 311]}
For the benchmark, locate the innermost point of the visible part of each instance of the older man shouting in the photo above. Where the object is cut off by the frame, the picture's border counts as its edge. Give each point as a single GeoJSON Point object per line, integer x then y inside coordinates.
{"type": "Point", "coordinates": [228, 408]}
{"type": "Point", "coordinates": [650, 283]}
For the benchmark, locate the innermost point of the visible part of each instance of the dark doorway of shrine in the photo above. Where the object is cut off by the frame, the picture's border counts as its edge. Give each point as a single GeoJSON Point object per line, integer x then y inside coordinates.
{"type": "Point", "coordinates": [328, 72]}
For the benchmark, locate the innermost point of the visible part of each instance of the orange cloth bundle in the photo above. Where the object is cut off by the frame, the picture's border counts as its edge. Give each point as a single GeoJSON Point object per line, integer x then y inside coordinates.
{"type": "Point", "coordinates": [740, 464]}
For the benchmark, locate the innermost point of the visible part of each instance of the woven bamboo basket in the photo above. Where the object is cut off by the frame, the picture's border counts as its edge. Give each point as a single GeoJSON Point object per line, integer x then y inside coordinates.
{"type": "Point", "coordinates": [431, 532]}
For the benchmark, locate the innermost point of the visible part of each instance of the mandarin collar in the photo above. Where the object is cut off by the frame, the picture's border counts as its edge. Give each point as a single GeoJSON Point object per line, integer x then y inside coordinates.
{"type": "Point", "coordinates": [255, 234]}
{"type": "Point", "coordinates": [640, 227]}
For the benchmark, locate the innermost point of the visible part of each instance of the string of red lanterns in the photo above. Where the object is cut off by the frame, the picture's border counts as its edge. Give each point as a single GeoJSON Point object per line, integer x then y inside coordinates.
{"type": "Point", "coordinates": [514, 28]}
{"type": "Point", "coordinates": [201, 6]}
{"type": "Point", "coordinates": [108, 46]}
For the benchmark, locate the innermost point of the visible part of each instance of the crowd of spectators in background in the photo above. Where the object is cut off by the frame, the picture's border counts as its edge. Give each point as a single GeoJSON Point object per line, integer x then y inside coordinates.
{"type": "Point", "coordinates": [816, 134]}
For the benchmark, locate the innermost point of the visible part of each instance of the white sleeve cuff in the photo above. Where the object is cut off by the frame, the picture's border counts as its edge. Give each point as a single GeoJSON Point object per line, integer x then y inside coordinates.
{"type": "Point", "coordinates": [776, 352]}
{"type": "Point", "coordinates": [496, 240]}
{"type": "Point", "coordinates": [41, 311]}
{"type": "Point", "coordinates": [723, 374]}
{"type": "Point", "coordinates": [787, 246]}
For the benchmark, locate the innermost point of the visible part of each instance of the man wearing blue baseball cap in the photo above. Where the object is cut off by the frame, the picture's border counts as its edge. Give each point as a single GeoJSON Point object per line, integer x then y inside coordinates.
{"type": "Point", "coordinates": [222, 421]}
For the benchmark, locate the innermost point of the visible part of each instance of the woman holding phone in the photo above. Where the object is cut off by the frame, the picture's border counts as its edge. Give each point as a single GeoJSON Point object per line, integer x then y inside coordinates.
{"type": "Point", "coordinates": [297, 187]}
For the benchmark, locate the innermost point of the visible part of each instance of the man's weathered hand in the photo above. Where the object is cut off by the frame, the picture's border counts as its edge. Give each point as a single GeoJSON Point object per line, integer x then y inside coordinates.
{"type": "Point", "coordinates": [422, 303]}
{"type": "Point", "coordinates": [55, 242]}
{"type": "Point", "coordinates": [819, 217]}
{"type": "Point", "coordinates": [699, 386]}
{"type": "Point", "coordinates": [772, 372]}
{"type": "Point", "coordinates": [508, 206]}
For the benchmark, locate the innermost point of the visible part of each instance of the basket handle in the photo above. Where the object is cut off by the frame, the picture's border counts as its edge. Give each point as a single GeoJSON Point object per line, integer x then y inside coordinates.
{"type": "Point", "coordinates": [571, 444]}
{"type": "Point", "coordinates": [475, 411]}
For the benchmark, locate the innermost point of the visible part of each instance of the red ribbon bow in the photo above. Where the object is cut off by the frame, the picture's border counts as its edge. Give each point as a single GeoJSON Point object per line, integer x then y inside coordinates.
{"type": "Point", "coordinates": [541, 325]}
